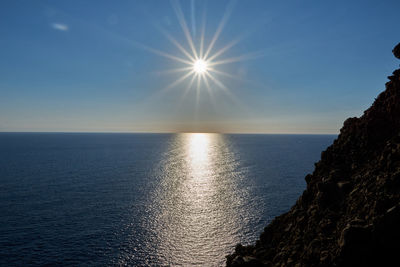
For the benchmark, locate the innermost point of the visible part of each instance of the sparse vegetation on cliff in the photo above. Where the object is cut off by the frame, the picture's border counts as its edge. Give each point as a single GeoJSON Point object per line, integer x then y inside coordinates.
{"type": "Point", "coordinates": [349, 214]}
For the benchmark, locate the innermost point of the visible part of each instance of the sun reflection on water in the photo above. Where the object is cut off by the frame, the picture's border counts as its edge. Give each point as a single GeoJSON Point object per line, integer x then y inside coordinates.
{"type": "Point", "coordinates": [198, 148]}
{"type": "Point", "coordinates": [196, 209]}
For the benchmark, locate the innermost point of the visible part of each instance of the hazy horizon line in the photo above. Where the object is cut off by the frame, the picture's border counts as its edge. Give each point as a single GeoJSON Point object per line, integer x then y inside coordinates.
{"type": "Point", "coordinates": [167, 132]}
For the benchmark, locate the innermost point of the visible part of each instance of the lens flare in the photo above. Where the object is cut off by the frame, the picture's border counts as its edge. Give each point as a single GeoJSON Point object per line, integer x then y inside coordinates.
{"type": "Point", "coordinates": [201, 61]}
{"type": "Point", "coordinates": [200, 66]}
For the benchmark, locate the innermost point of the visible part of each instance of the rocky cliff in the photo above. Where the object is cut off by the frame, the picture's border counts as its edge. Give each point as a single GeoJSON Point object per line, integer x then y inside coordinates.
{"type": "Point", "coordinates": [349, 214]}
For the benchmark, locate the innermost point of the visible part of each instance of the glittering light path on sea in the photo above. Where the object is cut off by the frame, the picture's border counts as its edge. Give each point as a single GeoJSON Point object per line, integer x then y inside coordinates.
{"type": "Point", "coordinates": [144, 199]}
{"type": "Point", "coordinates": [196, 211]}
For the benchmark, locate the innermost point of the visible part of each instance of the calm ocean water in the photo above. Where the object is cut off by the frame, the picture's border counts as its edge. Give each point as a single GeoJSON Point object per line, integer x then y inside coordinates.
{"type": "Point", "coordinates": [144, 199]}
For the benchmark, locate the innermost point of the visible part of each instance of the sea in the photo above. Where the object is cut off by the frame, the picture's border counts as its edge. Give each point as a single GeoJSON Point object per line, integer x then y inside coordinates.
{"type": "Point", "coordinates": [116, 199]}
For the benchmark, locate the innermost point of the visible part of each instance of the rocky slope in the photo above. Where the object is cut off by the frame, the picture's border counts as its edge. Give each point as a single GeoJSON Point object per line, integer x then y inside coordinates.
{"type": "Point", "coordinates": [349, 214]}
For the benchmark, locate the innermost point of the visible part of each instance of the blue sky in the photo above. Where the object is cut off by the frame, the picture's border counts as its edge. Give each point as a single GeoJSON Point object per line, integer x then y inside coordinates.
{"type": "Point", "coordinates": [90, 66]}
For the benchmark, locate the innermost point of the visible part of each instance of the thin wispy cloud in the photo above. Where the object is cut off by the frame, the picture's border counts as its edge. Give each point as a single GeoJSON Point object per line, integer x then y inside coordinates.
{"type": "Point", "coordinates": [60, 27]}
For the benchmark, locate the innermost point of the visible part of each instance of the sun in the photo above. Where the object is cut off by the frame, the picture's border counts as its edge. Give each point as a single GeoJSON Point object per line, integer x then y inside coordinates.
{"type": "Point", "coordinates": [200, 62]}
{"type": "Point", "coordinates": [200, 66]}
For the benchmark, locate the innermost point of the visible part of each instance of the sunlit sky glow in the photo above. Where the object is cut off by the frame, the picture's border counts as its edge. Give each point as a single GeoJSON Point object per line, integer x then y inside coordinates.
{"type": "Point", "coordinates": [192, 66]}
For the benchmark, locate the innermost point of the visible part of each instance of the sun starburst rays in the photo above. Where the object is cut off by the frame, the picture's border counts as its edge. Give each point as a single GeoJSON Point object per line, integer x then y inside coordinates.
{"type": "Point", "coordinates": [199, 59]}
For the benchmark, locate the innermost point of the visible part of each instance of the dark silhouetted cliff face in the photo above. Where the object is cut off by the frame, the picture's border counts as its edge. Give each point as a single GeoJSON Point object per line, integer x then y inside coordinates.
{"type": "Point", "coordinates": [349, 215]}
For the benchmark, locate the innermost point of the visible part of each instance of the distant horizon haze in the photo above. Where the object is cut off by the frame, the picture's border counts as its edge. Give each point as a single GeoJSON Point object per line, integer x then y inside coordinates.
{"type": "Point", "coordinates": [192, 66]}
{"type": "Point", "coordinates": [199, 132]}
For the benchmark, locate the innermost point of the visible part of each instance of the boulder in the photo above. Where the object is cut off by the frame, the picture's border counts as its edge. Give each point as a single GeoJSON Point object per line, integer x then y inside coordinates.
{"type": "Point", "coordinates": [396, 51]}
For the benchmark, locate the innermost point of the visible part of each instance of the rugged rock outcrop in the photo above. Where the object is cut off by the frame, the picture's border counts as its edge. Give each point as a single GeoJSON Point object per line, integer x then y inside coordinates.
{"type": "Point", "coordinates": [349, 214]}
{"type": "Point", "coordinates": [396, 51]}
